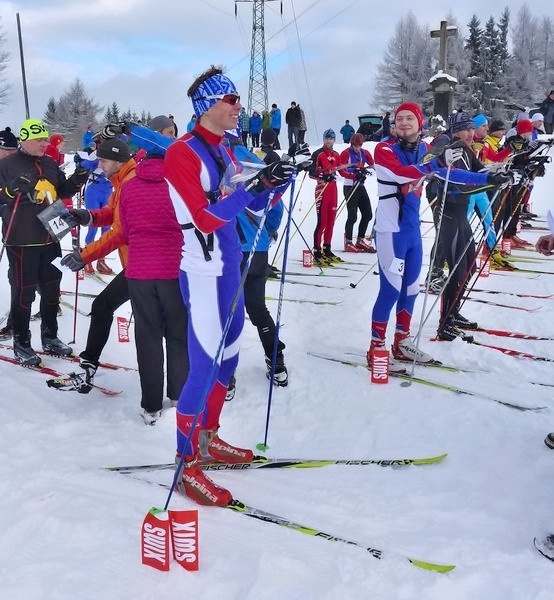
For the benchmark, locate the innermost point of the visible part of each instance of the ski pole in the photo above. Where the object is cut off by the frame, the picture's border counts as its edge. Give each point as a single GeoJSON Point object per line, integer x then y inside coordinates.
{"type": "Point", "coordinates": [263, 446]}
{"type": "Point", "coordinates": [317, 199]}
{"type": "Point", "coordinates": [433, 259]}
{"type": "Point", "coordinates": [450, 274]}
{"type": "Point", "coordinates": [75, 244]}
{"type": "Point", "coordinates": [468, 291]}
{"type": "Point", "coordinates": [355, 285]}
{"type": "Point", "coordinates": [321, 271]}
{"type": "Point", "coordinates": [347, 198]}
{"type": "Point", "coordinates": [281, 240]}
{"type": "Point", "coordinates": [10, 225]}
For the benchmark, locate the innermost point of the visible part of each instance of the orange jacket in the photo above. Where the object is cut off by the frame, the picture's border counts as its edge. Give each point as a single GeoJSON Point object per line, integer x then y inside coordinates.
{"type": "Point", "coordinates": [109, 215]}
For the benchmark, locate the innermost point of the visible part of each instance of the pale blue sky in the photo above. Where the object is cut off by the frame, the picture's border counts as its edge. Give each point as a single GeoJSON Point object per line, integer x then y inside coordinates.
{"type": "Point", "coordinates": [145, 54]}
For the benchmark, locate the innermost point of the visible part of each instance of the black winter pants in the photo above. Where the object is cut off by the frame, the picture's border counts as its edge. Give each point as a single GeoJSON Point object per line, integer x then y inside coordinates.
{"type": "Point", "coordinates": [159, 314]}
{"type": "Point", "coordinates": [456, 245]}
{"type": "Point", "coordinates": [31, 268]}
{"type": "Point", "coordinates": [106, 303]}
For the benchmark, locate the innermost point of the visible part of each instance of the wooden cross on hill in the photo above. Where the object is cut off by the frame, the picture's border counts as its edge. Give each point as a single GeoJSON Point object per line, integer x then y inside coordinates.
{"type": "Point", "coordinates": [444, 32]}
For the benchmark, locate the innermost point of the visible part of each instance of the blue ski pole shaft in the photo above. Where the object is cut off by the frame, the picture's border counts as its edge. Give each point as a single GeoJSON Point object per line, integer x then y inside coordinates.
{"type": "Point", "coordinates": [278, 317]}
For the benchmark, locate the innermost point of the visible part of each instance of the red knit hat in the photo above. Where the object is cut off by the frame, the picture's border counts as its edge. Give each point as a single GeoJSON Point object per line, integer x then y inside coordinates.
{"type": "Point", "coordinates": [56, 139]}
{"type": "Point", "coordinates": [413, 108]}
{"type": "Point", "coordinates": [357, 139]}
{"type": "Point", "coordinates": [524, 126]}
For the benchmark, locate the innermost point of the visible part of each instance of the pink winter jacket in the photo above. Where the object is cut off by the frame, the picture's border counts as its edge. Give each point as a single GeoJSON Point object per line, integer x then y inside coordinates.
{"type": "Point", "coordinates": [149, 225]}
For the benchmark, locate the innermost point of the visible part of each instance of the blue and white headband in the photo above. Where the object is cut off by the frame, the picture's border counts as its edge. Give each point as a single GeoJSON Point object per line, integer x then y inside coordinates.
{"type": "Point", "coordinates": [211, 91]}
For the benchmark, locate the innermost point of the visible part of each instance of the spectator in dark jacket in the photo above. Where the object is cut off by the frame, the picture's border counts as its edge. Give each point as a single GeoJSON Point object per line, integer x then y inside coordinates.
{"type": "Point", "coordinates": [8, 139]}
{"type": "Point", "coordinates": [172, 119]}
{"type": "Point", "coordinates": [547, 109]}
{"type": "Point", "coordinates": [293, 117]}
{"type": "Point", "coordinates": [385, 126]}
{"type": "Point", "coordinates": [29, 181]}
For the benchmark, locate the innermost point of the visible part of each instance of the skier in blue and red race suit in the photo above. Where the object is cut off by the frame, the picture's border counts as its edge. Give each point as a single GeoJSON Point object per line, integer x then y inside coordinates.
{"type": "Point", "coordinates": [401, 169]}
{"type": "Point", "coordinates": [196, 166]}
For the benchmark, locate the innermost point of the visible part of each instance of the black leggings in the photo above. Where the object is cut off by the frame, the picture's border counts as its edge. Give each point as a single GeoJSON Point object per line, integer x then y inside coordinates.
{"type": "Point", "coordinates": [357, 200]}
{"type": "Point", "coordinates": [254, 301]}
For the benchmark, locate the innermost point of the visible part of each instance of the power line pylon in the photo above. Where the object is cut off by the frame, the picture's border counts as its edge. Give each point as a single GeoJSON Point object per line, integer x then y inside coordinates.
{"type": "Point", "coordinates": [257, 83]}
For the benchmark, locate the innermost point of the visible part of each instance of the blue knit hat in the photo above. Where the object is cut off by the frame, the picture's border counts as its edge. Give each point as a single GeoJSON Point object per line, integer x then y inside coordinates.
{"type": "Point", "coordinates": [479, 120]}
{"type": "Point", "coordinates": [210, 91]}
{"type": "Point", "coordinates": [329, 134]}
{"type": "Point", "coordinates": [460, 121]}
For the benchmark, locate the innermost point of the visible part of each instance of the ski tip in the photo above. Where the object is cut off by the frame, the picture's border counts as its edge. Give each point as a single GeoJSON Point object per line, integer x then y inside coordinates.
{"type": "Point", "coordinates": [428, 566]}
{"type": "Point", "coordinates": [430, 460]}
{"type": "Point", "coordinates": [262, 447]}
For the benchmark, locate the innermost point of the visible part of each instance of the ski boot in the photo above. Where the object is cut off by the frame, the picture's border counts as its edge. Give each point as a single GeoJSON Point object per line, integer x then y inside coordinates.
{"type": "Point", "coordinates": [404, 349]}
{"type": "Point", "coordinates": [364, 245]}
{"type": "Point", "coordinates": [196, 485]}
{"type": "Point", "coordinates": [213, 449]}
{"type": "Point", "coordinates": [53, 345]}
{"type": "Point", "coordinates": [328, 254]}
{"type": "Point", "coordinates": [280, 376]}
{"type": "Point", "coordinates": [103, 268]}
{"type": "Point", "coordinates": [23, 352]}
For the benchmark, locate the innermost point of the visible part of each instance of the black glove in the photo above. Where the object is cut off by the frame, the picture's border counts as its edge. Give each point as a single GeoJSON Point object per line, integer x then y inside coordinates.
{"type": "Point", "coordinates": [24, 184]}
{"type": "Point", "coordinates": [77, 216]}
{"type": "Point", "coordinates": [299, 149]}
{"type": "Point", "coordinates": [112, 130]}
{"type": "Point", "coordinates": [503, 179]}
{"type": "Point", "coordinates": [275, 174]}
{"type": "Point", "coordinates": [73, 261]}
{"type": "Point", "coordinates": [329, 177]}
{"type": "Point", "coordinates": [361, 174]}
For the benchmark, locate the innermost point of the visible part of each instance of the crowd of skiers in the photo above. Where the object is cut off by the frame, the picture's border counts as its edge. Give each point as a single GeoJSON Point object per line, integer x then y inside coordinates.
{"type": "Point", "coordinates": [212, 224]}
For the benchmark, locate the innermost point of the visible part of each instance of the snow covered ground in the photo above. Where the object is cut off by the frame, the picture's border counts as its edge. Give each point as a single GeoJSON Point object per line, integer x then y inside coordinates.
{"type": "Point", "coordinates": [71, 531]}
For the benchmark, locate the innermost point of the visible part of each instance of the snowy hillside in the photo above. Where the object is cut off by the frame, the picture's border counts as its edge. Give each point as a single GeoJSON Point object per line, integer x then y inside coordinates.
{"type": "Point", "coordinates": [71, 531]}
